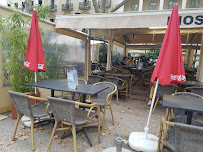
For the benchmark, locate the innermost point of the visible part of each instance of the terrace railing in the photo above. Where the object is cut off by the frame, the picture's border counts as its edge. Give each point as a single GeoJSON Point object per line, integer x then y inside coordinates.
{"type": "Point", "coordinates": [67, 6]}
{"type": "Point", "coordinates": [53, 8]}
{"type": "Point", "coordinates": [85, 5]}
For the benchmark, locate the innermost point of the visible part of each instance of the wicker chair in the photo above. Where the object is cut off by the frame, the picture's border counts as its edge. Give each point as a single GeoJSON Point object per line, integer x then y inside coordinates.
{"type": "Point", "coordinates": [104, 98]}
{"type": "Point", "coordinates": [182, 113]}
{"type": "Point", "coordinates": [196, 90]}
{"type": "Point", "coordinates": [122, 85]}
{"type": "Point", "coordinates": [145, 79]}
{"type": "Point", "coordinates": [184, 138]}
{"type": "Point", "coordinates": [161, 90]}
{"type": "Point", "coordinates": [95, 78]}
{"type": "Point", "coordinates": [65, 112]}
{"type": "Point", "coordinates": [34, 112]}
{"type": "Point", "coordinates": [73, 96]}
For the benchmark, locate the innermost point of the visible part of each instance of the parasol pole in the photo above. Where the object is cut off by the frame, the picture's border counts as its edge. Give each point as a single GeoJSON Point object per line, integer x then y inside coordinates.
{"type": "Point", "coordinates": [36, 81]}
{"type": "Point", "coordinates": [150, 112]}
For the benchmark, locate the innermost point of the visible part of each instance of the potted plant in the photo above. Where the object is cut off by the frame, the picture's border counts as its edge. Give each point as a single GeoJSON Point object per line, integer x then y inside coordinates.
{"type": "Point", "coordinates": [15, 31]}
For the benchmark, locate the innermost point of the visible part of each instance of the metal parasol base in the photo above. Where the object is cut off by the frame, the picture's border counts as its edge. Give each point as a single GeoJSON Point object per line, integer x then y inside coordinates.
{"type": "Point", "coordinates": [138, 142]}
{"type": "Point", "coordinates": [113, 149]}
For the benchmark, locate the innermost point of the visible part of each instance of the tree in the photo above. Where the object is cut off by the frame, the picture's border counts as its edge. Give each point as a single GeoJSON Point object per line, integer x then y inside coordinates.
{"type": "Point", "coordinates": [95, 4]}
{"type": "Point", "coordinates": [96, 8]}
{"type": "Point", "coordinates": [118, 6]}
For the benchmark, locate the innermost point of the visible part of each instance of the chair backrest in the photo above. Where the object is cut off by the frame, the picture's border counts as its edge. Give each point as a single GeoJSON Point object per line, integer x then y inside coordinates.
{"type": "Point", "coordinates": [178, 112]}
{"type": "Point", "coordinates": [161, 90]}
{"type": "Point", "coordinates": [188, 138]}
{"type": "Point", "coordinates": [187, 94]}
{"type": "Point", "coordinates": [63, 109]}
{"type": "Point", "coordinates": [94, 79]}
{"type": "Point", "coordinates": [112, 79]}
{"type": "Point", "coordinates": [196, 90]}
{"type": "Point", "coordinates": [103, 94]}
{"type": "Point", "coordinates": [22, 103]}
{"type": "Point", "coordinates": [82, 81]}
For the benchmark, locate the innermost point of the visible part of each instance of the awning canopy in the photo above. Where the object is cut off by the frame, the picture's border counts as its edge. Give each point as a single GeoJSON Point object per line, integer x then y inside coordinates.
{"type": "Point", "coordinates": [136, 27]}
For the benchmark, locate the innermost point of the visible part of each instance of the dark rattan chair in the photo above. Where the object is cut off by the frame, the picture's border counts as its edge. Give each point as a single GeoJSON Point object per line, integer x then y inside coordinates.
{"type": "Point", "coordinates": [161, 90]}
{"type": "Point", "coordinates": [186, 138]}
{"type": "Point", "coordinates": [65, 112]}
{"type": "Point", "coordinates": [73, 96]}
{"type": "Point", "coordinates": [122, 86]}
{"type": "Point", "coordinates": [104, 98]}
{"type": "Point", "coordinates": [34, 112]}
{"type": "Point", "coordinates": [196, 90]}
{"type": "Point", "coordinates": [182, 113]}
{"type": "Point", "coordinates": [92, 79]}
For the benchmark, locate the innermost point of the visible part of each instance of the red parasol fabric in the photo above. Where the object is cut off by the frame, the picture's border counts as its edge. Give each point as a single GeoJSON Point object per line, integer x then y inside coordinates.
{"type": "Point", "coordinates": [34, 58]}
{"type": "Point", "coordinates": [169, 68]}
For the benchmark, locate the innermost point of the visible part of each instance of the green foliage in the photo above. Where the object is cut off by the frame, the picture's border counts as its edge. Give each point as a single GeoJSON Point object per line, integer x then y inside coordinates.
{"type": "Point", "coordinates": [103, 53]}
{"type": "Point", "coordinates": [42, 11]}
{"type": "Point", "coordinates": [53, 58]}
{"type": "Point", "coordinates": [116, 58]}
{"type": "Point", "coordinates": [148, 59]}
{"type": "Point", "coordinates": [14, 39]}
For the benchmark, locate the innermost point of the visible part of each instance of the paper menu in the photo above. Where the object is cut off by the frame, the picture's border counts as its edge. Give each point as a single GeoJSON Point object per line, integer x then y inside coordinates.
{"type": "Point", "coordinates": [72, 77]}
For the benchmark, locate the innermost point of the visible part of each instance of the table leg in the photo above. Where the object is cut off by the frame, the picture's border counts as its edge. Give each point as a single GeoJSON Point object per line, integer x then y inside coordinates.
{"type": "Point", "coordinates": [84, 98]}
{"type": "Point", "coordinates": [189, 117]}
{"type": "Point", "coordinates": [52, 93]}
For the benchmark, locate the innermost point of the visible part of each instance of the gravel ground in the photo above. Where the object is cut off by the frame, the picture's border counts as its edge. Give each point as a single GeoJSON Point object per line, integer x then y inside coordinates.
{"type": "Point", "coordinates": [130, 116]}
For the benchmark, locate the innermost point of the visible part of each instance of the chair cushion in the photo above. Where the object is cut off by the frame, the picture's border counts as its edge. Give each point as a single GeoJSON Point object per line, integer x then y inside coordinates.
{"type": "Point", "coordinates": [39, 110]}
{"type": "Point", "coordinates": [81, 116]}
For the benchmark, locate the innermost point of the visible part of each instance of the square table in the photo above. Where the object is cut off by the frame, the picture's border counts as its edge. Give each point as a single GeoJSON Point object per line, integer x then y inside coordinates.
{"type": "Point", "coordinates": [188, 104]}
{"type": "Point", "coordinates": [192, 83]}
{"type": "Point", "coordinates": [61, 85]}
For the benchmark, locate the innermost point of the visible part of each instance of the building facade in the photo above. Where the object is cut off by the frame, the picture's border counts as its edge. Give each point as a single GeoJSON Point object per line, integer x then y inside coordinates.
{"type": "Point", "coordinates": [65, 7]}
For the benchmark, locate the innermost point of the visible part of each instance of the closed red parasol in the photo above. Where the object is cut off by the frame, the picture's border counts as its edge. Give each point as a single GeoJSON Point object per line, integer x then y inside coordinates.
{"type": "Point", "coordinates": [34, 58]}
{"type": "Point", "coordinates": [169, 68]}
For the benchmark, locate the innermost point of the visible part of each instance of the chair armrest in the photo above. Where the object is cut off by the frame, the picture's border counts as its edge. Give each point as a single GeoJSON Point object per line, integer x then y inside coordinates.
{"type": "Point", "coordinates": [29, 93]}
{"type": "Point", "coordinates": [91, 106]}
{"type": "Point", "coordinates": [38, 98]}
{"type": "Point", "coordinates": [47, 108]}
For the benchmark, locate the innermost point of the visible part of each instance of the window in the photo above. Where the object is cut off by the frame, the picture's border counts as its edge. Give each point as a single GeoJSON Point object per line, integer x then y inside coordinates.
{"type": "Point", "coordinates": [52, 2]}
{"type": "Point", "coordinates": [134, 7]}
{"type": "Point", "coordinates": [16, 5]}
{"type": "Point", "coordinates": [68, 1]}
{"type": "Point", "coordinates": [23, 4]}
{"type": "Point", "coordinates": [152, 5]}
{"type": "Point", "coordinates": [52, 20]}
{"type": "Point", "coordinates": [171, 3]}
{"type": "Point", "coordinates": [194, 3]}
{"type": "Point", "coordinates": [9, 5]}
{"type": "Point", "coordinates": [40, 2]}
{"type": "Point", "coordinates": [32, 2]}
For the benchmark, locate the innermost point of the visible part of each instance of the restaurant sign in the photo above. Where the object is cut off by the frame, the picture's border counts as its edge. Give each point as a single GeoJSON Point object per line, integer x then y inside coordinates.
{"type": "Point", "coordinates": [190, 20]}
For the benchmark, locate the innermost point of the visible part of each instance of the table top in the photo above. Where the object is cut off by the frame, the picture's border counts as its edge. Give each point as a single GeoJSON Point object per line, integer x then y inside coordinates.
{"type": "Point", "coordinates": [183, 103]}
{"type": "Point", "coordinates": [192, 83]}
{"type": "Point", "coordinates": [61, 85]}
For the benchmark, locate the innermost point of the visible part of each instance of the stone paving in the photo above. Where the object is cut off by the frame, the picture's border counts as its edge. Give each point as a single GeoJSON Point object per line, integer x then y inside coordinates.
{"type": "Point", "coordinates": [130, 116]}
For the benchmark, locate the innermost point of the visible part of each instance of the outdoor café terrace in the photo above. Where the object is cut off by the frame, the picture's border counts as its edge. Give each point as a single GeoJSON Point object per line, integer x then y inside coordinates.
{"type": "Point", "coordinates": [114, 98]}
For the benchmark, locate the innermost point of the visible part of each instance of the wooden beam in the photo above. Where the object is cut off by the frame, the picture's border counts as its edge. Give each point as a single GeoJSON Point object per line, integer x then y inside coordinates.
{"type": "Point", "coordinates": [140, 47]}
{"type": "Point", "coordinates": [71, 33]}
